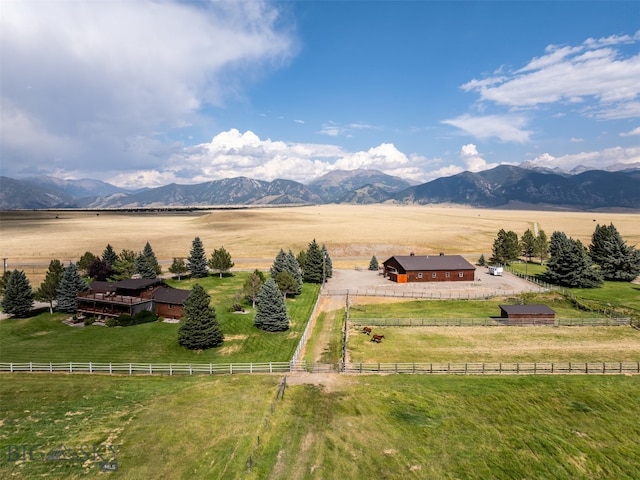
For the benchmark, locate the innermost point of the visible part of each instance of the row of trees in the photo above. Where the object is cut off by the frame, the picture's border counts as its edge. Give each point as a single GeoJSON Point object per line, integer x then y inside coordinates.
{"type": "Point", "coordinates": [571, 264]}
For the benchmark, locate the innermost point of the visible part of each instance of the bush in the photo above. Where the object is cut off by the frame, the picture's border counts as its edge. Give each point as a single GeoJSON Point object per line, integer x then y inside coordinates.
{"type": "Point", "coordinates": [124, 320]}
{"type": "Point", "coordinates": [89, 321]}
{"type": "Point", "coordinates": [146, 316]}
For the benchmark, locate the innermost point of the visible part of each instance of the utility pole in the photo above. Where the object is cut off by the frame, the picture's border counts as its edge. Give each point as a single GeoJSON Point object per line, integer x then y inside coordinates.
{"type": "Point", "coordinates": [4, 265]}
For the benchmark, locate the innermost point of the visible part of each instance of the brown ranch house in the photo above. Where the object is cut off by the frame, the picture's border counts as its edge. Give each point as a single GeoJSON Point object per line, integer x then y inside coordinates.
{"type": "Point", "coordinates": [429, 268]}
{"type": "Point", "coordinates": [111, 299]}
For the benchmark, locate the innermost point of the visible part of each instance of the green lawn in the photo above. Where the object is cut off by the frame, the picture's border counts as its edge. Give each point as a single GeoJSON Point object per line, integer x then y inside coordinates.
{"type": "Point", "coordinates": [393, 427]}
{"type": "Point", "coordinates": [44, 338]}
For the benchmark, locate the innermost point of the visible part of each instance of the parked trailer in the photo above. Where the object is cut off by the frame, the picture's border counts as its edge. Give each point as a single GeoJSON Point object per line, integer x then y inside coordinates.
{"type": "Point", "coordinates": [497, 271]}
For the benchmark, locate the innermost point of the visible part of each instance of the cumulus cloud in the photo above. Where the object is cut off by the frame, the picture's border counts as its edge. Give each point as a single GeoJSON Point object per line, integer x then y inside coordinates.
{"type": "Point", "coordinates": [597, 71]}
{"type": "Point", "coordinates": [84, 78]}
{"type": "Point", "coordinates": [506, 128]}
{"type": "Point", "coordinates": [600, 160]}
{"type": "Point", "coordinates": [473, 160]}
{"type": "Point", "coordinates": [634, 132]}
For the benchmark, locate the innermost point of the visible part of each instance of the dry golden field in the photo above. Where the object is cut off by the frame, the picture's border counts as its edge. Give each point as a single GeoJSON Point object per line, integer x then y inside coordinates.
{"type": "Point", "coordinates": [253, 236]}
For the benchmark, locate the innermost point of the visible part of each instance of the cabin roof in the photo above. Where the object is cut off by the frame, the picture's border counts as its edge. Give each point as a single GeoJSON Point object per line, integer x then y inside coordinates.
{"type": "Point", "coordinates": [535, 309]}
{"type": "Point", "coordinates": [171, 295]}
{"type": "Point", "coordinates": [431, 262]}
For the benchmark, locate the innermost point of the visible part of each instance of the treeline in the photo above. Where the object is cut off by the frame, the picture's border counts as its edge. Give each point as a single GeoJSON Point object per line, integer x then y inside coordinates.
{"type": "Point", "coordinates": [570, 263]}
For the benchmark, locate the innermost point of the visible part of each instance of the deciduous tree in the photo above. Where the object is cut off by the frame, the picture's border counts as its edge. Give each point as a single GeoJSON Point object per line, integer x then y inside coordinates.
{"type": "Point", "coordinates": [286, 283]}
{"type": "Point", "coordinates": [542, 246]}
{"type": "Point", "coordinates": [271, 311]}
{"type": "Point", "coordinates": [85, 261]}
{"type": "Point", "coordinates": [199, 328]}
{"type": "Point", "coordinates": [123, 267]}
{"type": "Point", "coordinates": [17, 296]}
{"type": "Point", "coordinates": [48, 290]}
{"type": "Point", "coordinates": [252, 286]}
{"type": "Point", "coordinates": [99, 269]}
{"type": "Point", "coordinates": [221, 261]}
{"type": "Point", "coordinates": [506, 248]}
{"type": "Point", "coordinates": [178, 267]}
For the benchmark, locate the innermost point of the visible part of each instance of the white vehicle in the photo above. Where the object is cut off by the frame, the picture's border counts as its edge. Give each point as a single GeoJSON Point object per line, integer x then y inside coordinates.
{"type": "Point", "coordinates": [497, 271]}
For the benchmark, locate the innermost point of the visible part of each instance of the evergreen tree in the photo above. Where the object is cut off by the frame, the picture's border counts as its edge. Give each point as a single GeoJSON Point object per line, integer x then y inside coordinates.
{"type": "Point", "coordinates": [178, 267]}
{"type": "Point", "coordinates": [570, 265]}
{"type": "Point", "coordinates": [143, 267]}
{"type": "Point", "coordinates": [99, 269]}
{"type": "Point", "coordinates": [85, 261]}
{"type": "Point", "coordinates": [542, 246]}
{"type": "Point", "coordinates": [481, 261]}
{"type": "Point", "coordinates": [199, 328]}
{"type": "Point", "coordinates": [109, 255]}
{"type": "Point", "coordinates": [328, 265]}
{"type": "Point", "coordinates": [617, 261]}
{"type": "Point", "coordinates": [314, 269]}
{"type": "Point", "coordinates": [279, 264]}
{"type": "Point", "coordinates": [373, 264]}
{"type": "Point", "coordinates": [302, 260]}
{"type": "Point", "coordinates": [17, 296]}
{"type": "Point", "coordinates": [293, 267]}
{"type": "Point", "coordinates": [252, 286]}
{"type": "Point", "coordinates": [123, 268]}
{"type": "Point", "coordinates": [4, 278]}
{"type": "Point", "coordinates": [197, 260]}
{"type": "Point", "coordinates": [70, 284]}
{"type": "Point", "coordinates": [506, 248]}
{"type": "Point", "coordinates": [49, 287]}
{"type": "Point", "coordinates": [271, 311]}
{"type": "Point", "coordinates": [286, 283]}
{"type": "Point", "coordinates": [151, 258]}
{"type": "Point", "coordinates": [528, 244]}
{"type": "Point", "coordinates": [221, 261]}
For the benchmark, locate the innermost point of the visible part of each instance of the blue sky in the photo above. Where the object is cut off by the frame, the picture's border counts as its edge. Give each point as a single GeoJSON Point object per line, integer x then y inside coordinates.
{"type": "Point", "coordinates": [147, 93]}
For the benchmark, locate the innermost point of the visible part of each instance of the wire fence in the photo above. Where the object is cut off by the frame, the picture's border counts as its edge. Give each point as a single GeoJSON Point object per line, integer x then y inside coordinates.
{"type": "Point", "coordinates": [428, 294]}
{"type": "Point", "coordinates": [488, 322]}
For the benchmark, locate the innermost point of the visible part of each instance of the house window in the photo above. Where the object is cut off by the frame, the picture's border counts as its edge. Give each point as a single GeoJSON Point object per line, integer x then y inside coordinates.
{"type": "Point", "coordinates": [461, 274]}
{"type": "Point", "coordinates": [420, 275]}
{"type": "Point", "coordinates": [447, 274]}
{"type": "Point", "coordinates": [433, 275]}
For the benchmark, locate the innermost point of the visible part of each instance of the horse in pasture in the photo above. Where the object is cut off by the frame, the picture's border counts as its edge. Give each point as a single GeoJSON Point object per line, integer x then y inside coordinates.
{"type": "Point", "coordinates": [377, 338]}
{"type": "Point", "coordinates": [366, 330]}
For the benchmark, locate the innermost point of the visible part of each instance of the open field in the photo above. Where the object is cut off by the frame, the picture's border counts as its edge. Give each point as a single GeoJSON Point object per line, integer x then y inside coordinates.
{"type": "Point", "coordinates": [253, 236]}
{"type": "Point", "coordinates": [394, 427]}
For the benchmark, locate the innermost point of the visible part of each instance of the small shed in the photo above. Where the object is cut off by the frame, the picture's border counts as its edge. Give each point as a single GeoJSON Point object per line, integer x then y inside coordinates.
{"type": "Point", "coordinates": [535, 314]}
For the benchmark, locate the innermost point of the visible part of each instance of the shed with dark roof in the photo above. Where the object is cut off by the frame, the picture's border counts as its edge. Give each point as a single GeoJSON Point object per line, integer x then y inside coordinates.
{"type": "Point", "coordinates": [428, 268]}
{"type": "Point", "coordinates": [535, 314]}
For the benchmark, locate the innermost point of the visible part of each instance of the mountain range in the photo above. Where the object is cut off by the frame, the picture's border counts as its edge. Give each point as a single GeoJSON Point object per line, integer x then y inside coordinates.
{"type": "Point", "coordinates": [502, 186]}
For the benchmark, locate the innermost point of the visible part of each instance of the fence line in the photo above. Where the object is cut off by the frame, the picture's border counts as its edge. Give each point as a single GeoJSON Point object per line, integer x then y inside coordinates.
{"type": "Point", "coordinates": [488, 322]}
{"type": "Point", "coordinates": [427, 295]}
{"type": "Point", "coordinates": [307, 329]}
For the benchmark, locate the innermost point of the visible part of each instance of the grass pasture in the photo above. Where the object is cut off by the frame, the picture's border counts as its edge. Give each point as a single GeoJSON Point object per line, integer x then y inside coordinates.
{"type": "Point", "coordinates": [393, 427]}
{"type": "Point", "coordinates": [44, 338]}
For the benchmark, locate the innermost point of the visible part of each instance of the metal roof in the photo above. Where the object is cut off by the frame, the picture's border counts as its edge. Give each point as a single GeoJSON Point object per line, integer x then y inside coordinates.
{"type": "Point", "coordinates": [432, 262]}
{"type": "Point", "coordinates": [527, 309]}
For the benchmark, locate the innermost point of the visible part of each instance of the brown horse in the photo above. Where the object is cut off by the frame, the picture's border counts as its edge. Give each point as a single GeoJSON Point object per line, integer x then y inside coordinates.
{"type": "Point", "coordinates": [366, 330]}
{"type": "Point", "coordinates": [377, 338]}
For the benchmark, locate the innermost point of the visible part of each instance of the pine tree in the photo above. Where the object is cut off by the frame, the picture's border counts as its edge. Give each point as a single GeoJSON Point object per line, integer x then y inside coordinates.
{"type": "Point", "coordinates": [123, 268]}
{"type": "Point", "coordinates": [373, 264]}
{"type": "Point", "coordinates": [302, 260]}
{"type": "Point", "coordinates": [178, 267]}
{"type": "Point", "coordinates": [271, 311]}
{"type": "Point", "coordinates": [279, 264]}
{"type": "Point", "coordinates": [542, 246]}
{"type": "Point", "coordinates": [528, 244]}
{"type": "Point", "coordinates": [17, 297]}
{"type": "Point", "coordinates": [70, 284]}
{"type": "Point", "coordinates": [48, 290]}
{"type": "Point", "coordinates": [143, 267]}
{"type": "Point", "coordinates": [4, 278]}
{"type": "Point", "coordinates": [617, 261]}
{"type": "Point", "coordinates": [151, 258]}
{"type": "Point", "coordinates": [221, 261]}
{"type": "Point", "coordinates": [252, 286]}
{"type": "Point", "coordinates": [328, 265]}
{"type": "Point", "coordinates": [109, 255]}
{"type": "Point", "coordinates": [197, 260]}
{"type": "Point", "coordinates": [506, 248]}
{"type": "Point", "coordinates": [314, 269]}
{"type": "Point", "coordinates": [481, 261]}
{"type": "Point", "coordinates": [570, 264]}
{"type": "Point", "coordinates": [293, 267]}
{"type": "Point", "coordinates": [199, 328]}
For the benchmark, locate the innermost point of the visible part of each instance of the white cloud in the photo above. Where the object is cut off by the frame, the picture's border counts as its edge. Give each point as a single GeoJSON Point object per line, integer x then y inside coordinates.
{"type": "Point", "coordinates": [86, 76]}
{"type": "Point", "coordinates": [506, 128]}
{"type": "Point", "coordinates": [635, 131]}
{"type": "Point", "coordinates": [600, 160]}
{"type": "Point", "coordinates": [473, 160]}
{"type": "Point", "coordinates": [595, 71]}
{"type": "Point", "coordinates": [333, 129]}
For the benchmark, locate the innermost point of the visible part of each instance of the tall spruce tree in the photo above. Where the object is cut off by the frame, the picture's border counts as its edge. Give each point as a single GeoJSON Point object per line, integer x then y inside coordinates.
{"type": "Point", "coordinates": [143, 267]}
{"type": "Point", "coordinates": [48, 290]}
{"type": "Point", "coordinates": [109, 255]}
{"type": "Point", "coordinates": [481, 261]}
{"type": "Point", "coordinates": [328, 265]}
{"type": "Point", "coordinates": [271, 311]}
{"type": "Point", "coordinates": [199, 329]}
{"type": "Point", "coordinates": [315, 267]}
{"type": "Point", "coordinates": [197, 260]}
{"type": "Point", "coordinates": [17, 296]}
{"type": "Point", "coordinates": [570, 265]}
{"type": "Point", "coordinates": [279, 264]}
{"type": "Point", "coordinates": [617, 261]}
{"type": "Point", "coordinates": [373, 264]}
{"type": "Point", "coordinates": [70, 284]}
{"type": "Point", "coordinates": [302, 260]}
{"type": "Point", "coordinates": [152, 259]}
{"type": "Point", "coordinates": [221, 261]}
{"type": "Point", "coordinates": [293, 267]}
